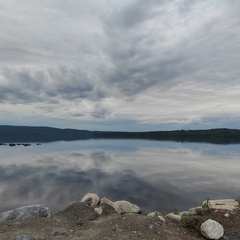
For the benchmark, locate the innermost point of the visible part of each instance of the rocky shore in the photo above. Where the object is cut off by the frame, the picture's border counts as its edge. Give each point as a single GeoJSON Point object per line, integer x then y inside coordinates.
{"type": "Point", "coordinates": [95, 218]}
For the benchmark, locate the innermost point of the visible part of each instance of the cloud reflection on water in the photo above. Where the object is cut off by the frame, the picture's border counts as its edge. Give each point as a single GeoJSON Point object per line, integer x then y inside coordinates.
{"type": "Point", "coordinates": [155, 177]}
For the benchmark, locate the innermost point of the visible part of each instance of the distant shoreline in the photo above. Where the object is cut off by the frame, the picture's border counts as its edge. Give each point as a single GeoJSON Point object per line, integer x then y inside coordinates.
{"type": "Point", "coordinates": [27, 134]}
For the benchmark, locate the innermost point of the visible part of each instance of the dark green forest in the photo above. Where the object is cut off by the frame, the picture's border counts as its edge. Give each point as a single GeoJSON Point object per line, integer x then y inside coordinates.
{"type": "Point", "coordinates": [16, 134]}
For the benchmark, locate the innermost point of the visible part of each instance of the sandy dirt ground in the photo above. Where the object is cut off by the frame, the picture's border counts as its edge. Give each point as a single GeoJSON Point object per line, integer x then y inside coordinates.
{"type": "Point", "coordinates": [79, 221]}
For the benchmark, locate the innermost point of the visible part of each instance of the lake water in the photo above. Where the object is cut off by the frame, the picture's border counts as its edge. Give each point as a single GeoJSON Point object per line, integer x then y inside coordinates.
{"type": "Point", "coordinates": [155, 175]}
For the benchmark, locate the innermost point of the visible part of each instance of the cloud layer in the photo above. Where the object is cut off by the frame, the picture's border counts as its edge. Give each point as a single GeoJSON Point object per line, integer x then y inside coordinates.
{"type": "Point", "coordinates": [157, 63]}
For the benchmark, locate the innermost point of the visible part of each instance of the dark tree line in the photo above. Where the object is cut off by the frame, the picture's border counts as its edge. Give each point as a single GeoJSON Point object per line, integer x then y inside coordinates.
{"type": "Point", "coordinates": [48, 134]}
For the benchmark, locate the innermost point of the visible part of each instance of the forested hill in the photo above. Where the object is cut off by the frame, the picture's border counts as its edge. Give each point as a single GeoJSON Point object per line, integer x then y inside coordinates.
{"type": "Point", "coordinates": [40, 134]}
{"type": "Point", "coordinates": [47, 134]}
{"type": "Point", "coordinates": [218, 136]}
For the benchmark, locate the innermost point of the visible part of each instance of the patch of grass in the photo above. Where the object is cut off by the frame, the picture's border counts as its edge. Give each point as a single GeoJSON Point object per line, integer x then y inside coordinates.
{"type": "Point", "coordinates": [192, 222]}
{"type": "Point", "coordinates": [185, 221]}
{"type": "Point", "coordinates": [238, 206]}
{"type": "Point", "coordinates": [206, 206]}
{"type": "Point", "coordinates": [156, 214]}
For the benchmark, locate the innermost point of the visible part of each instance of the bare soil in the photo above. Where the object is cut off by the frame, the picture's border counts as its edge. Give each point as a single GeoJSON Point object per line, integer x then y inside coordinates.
{"type": "Point", "coordinates": [79, 221]}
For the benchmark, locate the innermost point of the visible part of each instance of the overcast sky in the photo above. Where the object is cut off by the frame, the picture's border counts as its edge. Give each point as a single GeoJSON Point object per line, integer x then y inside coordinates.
{"type": "Point", "coordinates": [120, 64]}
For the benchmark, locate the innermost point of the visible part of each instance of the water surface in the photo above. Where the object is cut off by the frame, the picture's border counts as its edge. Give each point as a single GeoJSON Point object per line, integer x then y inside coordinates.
{"type": "Point", "coordinates": [155, 175]}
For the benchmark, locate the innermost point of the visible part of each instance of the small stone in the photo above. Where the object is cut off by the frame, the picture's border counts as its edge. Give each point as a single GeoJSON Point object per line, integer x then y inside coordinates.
{"type": "Point", "coordinates": [98, 210]}
{"type": "Point", "coordinates": [174, 217]}
{"type": "Point", "coordinates": [56, 233]}
{"type": "Point", "coordinates": [195, 211]}
{"type": "Point", "coordinates": [139, 234]}
{"type": "Point", "coordinates": [212, 229]}
{"type": "Point", "coordinates": [154, 214]}
{"type": "Point", "coordinates": [184, 213]}
{"type": "Point", "coordinates": [151, 214]}
{"type": "Point", "coordinates": [226, 215]}
{"type": "Point", "coordinates": [161, 218]}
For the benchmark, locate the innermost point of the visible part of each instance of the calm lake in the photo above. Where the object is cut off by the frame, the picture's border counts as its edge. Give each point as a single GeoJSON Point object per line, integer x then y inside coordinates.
{"type": "Point", "coordinates": [155, 175]}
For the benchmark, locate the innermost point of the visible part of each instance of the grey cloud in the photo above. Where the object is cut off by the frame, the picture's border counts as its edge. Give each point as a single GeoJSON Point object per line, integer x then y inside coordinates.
{"type": "Point", "coordinates": [115, 50]}
{"type": "Point", "coordinates": [71, 83]}
{"type": "Point", "coordinates": [140, 60]}
{"type": "Point", "coordinates": [139, 11]}
{"type": "Point", "coordinates": [139, 65]}
{"type": "Point", "coordinates": [29, 86]}
{"type": "Point", "coordinates": [100, 113]}
{"type": "Point", "coordinates": [78, 9]}
{"type": "Point", "coordinates": [48, 33]}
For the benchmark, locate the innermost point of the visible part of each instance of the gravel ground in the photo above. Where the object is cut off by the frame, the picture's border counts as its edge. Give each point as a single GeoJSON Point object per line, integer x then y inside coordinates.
{"type": "Point", "coordinates": [79, 221]}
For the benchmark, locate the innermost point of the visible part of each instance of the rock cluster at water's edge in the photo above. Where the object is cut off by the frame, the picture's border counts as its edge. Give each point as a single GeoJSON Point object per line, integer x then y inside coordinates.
{"type": "Point", "coordinates": [98, 208]}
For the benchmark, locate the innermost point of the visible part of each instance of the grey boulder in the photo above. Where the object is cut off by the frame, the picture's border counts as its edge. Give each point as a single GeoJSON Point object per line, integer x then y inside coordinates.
{"type": "Point", "coordinates": [212, 229]}
{"type": "Point", "coordinates": [25, 212]}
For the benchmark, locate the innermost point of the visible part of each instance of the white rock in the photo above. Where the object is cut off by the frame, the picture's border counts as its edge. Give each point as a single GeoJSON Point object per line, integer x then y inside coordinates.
{"type": "Point", "coordinates": [25, 212]}
{"type": "Point", "coordinates": [184, 213]}
{"type": "Point", "coordinates": [174, 217]}
{"type": "Point", "coordinates": [226, 215]}
{"type": "Point", "coordinates": [127, 207]}
{"type": "Point", "coordinates": [195, 211]}
{"type": "Point", "coordinates": [212, 229]}
{"type": "Point", "coordinates": [161, 218]}
{"type": "Point", "coordinates": [109, 202]}
{"type": "Point", "coordinates": [91, 199]}
{"type": "Point", "coordinates": [122, 206]}
{"type": "Point", "coordinates": [227, 204]}
{"type": "Point", "coordinates": [154, 214]}
{"type": "Point", "coordinates": [98, 210]}
{"type": "Point", "coordinates": [158, 215]}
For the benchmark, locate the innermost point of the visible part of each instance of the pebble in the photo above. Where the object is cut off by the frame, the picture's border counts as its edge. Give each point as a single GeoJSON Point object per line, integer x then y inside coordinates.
{"type": "Point", "coordinates": [161, 218]}
{"type": "Point", "coordinates": [98, 210]}
{"type": "Point", "coordinates": [56, 233]}
{"type": "Point", "coordinates": [174, 217]}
